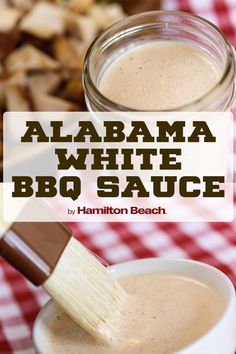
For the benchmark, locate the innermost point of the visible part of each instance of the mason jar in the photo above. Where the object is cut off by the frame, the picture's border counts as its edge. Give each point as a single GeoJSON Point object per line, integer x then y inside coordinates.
{"type": "Point", "coordinates": [161, 25]}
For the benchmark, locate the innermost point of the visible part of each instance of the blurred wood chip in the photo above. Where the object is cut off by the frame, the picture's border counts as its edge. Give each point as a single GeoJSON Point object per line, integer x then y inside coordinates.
{"type": "Point", "coordinates": [27, 57]}
{"type": "Point", "coordinates": [2, 94]}
{"type": "Point", "coordinates": [106, 14]}
{"type": "Point", "coordinates": [66, 52]}
{"type": "Point", "coordinates": [8, 42]}
{"type": "Point", "coordinates": [73, 90]}
{"type": "Point", "coordinates": [46, 82]}
{"type": "Point", "coordinates": [44, 102]}
{"type": "Point", "coordinates": [9, 17]}
{"type": "Point", "coordinates": [18, 79]}
{"type": "Point", "coordinates": [4, 3]}
{"type": "Point", "coordinates": [1, 121]}
{"type": "Point", "coordinates": [17, 99]}
{"type": "Point", "coordinates": [80, 46]}
{"type": "Point", "coordinates": [83, 27]}
{"type": "Point", "coordinates": [23, 5]}
{"type": "Point", "coordinates": [80, 6]}
{"type": "Point", "coordinates": [45, 20]}
{"type": "Point", "coordinates": [136, 6]}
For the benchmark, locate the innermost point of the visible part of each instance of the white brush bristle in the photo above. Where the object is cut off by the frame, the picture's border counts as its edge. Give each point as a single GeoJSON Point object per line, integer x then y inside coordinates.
{"type": "Point", "coordinates": [85, 290]}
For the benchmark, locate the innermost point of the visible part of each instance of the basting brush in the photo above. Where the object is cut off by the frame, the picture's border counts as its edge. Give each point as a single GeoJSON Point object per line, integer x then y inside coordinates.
{"type": "Point", "coordinates": [47, 254]}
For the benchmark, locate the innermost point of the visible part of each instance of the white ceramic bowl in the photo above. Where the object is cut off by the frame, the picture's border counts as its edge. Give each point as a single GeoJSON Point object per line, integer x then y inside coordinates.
{"type": "Point", "coordinates": [221, 339]}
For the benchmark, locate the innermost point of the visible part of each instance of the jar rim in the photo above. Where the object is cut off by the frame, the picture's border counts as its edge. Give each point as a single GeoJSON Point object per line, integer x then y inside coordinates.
{"type": "Point", "coordinates": [119, 107]}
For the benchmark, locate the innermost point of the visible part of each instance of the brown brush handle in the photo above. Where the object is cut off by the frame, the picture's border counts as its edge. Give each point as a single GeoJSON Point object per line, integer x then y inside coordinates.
{"type": "Point", "coordinates": [34, 248]}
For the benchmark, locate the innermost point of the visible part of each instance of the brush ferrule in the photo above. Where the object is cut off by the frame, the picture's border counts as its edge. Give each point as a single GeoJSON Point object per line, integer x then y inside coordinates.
{"type": "Point", "coordinates": [34, 248]}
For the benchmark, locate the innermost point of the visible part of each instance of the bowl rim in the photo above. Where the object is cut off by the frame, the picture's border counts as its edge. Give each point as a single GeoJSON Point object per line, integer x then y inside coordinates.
{"type": "Point", "coordinates": [230, 301]}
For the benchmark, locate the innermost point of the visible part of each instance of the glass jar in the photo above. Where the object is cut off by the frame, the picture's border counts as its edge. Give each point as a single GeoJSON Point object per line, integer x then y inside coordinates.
{"type": "Point", "coordinates": [160, 25]}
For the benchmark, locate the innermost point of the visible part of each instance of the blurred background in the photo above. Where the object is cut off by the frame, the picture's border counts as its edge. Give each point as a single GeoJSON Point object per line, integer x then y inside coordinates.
{"type": "Point", "coordinates": [42, 46]}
